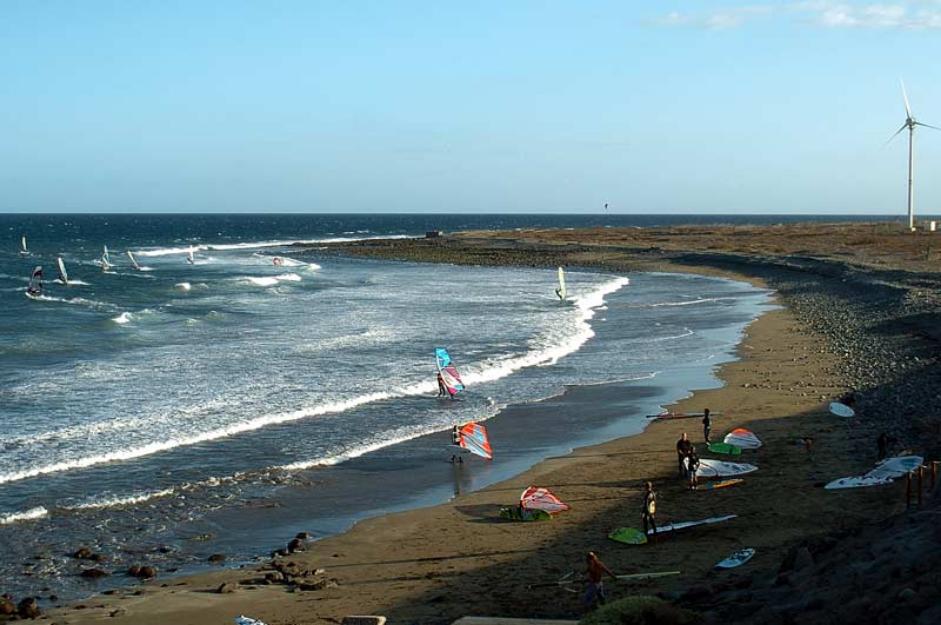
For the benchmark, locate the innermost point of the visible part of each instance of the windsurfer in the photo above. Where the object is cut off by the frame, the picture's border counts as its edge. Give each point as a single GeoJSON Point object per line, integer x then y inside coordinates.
{"type": "Point", "coordinates": [277, 261]}
{"type": "Point", "coordinates": [455, 440]}
{"type": "Point", "coordinates": [35, 283]}
{"type": "Point", "coordinates": [650, 510]}
{"type": "Point", "coordinates": [442, 389]}
{"type": "Point", "coordinates": [596, 570]}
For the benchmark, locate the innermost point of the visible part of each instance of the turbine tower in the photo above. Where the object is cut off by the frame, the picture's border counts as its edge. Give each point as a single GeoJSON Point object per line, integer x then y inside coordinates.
{"type": "Point", "coordinates": [910, 123]}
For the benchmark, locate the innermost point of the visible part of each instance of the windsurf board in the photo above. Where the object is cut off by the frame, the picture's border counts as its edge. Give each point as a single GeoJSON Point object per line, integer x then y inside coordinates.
{"type": "Point", "coordinates": [841, 410]}
{"type": "Point", "coordinates": [725, 448]}
{"type": "Point", "coordinates": [738, 558]}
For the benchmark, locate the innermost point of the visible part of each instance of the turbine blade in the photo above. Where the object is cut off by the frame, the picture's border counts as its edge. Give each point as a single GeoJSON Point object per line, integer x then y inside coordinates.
{"type": "Point", "coordinates": [904, 126]}
{"type": "Point", "coordinates": [927, 125]}
{"type": "Point", "coordinates": [908, 108]}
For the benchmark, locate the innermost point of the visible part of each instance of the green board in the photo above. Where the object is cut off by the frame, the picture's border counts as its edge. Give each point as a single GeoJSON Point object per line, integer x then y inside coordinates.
{"type": "Point", "coordinates": [628, 536]}
{"type": "Point", "coordinates": [725, 448]}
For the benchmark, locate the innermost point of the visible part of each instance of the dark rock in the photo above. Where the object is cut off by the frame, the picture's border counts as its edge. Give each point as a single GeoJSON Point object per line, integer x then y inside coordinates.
{"type": "Point", "coordinates": [94, 573]}
{"type": "Point", "coordinates": [118, 612]}
{"type": "Point", "coordinates": [303, 536]}
{"type": "Point", "coordinates": [225, 588]}
{"type": "Point", "coordinates": [134, 570]}
{"type": "Point", "coordinates": [296, 544]}
{"type": "Point", "coordinates": [217, 558]}
{"type": "Point", "coordinates": [317, 584]}
{"type": "Point", "coordinates": [83, 553]}
{"type": "Point", "coordinates": [147, 572]}
{"type": "Point", "coordinates": [274, 577]}
{"type": "Point", "coordinates": [28, 608]}
{"type": "Point", "coordinates": [7, 607]}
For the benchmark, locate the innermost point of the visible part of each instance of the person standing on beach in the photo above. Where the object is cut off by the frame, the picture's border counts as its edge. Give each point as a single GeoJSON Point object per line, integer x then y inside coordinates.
{"type": "Point", "coordinates": [706, 425]}
{"type": "Point", "coordinates": [683, 447]}
{"type": "Point", "coordinates": [692, 466]}
{"type": "Point", "coordinates": [650, 510]}
{"type": "Point", "coordinates": [596, 572]}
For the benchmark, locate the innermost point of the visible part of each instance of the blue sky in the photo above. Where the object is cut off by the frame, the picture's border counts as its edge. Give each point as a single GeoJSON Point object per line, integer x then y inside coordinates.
{"type": "Point", "coordinates": [653, 107]}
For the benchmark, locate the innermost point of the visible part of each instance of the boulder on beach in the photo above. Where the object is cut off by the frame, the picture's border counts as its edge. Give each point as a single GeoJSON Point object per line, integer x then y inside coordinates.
{"type": "Point", "coordinates": [94, 573]}
{"type": "Point", "coordinates": [28, 608]}
{"type": "Point", "coordinates": [7, 607]}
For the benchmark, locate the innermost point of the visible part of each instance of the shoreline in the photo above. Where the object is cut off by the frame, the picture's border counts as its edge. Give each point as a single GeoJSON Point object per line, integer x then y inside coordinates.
{"type": "Point", "coordinates": [426, 587]}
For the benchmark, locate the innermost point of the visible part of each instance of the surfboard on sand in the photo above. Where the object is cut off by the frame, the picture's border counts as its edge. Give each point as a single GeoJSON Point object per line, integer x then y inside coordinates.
{"type": "Point", "coordinates": [859, 481]}
{"type": "Point", "coordinates": [895, 467]}
{"type": "Point", "coordinates": [738, 558]}
{"type": "Point", "coordinates": [644, 576]}
{"type": "Point", "coordinates": [725, 448]}
{"type": "Point", "coordinates": [841, 410]}
{"type": "Point", "coordinates": [682, 525]}
{"type": "Point", "coordinates": [720, 484]}
{"type": "Point", "coordinates": [721, 468]}
{"type": "Point", "coordinates": [628, 536]}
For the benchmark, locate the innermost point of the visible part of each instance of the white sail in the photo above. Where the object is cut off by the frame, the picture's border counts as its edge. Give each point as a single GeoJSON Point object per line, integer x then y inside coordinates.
{"type": "Point", "coordinates": [561, 290]}
{"type": "Point", "coordinates": [130, 255]}
{"type": "Point", "coordinates": [35, 283]}
{"type": "Point", "coordinates": [105, 261]}
{"type": "Point", "coordinates": [23, 249]}
{"type": "Point", "coordinates": [63, 274]}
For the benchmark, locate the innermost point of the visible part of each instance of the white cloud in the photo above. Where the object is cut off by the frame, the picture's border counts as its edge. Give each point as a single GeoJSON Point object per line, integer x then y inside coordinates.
{"type": "Point", "coordinates": [909, 15]}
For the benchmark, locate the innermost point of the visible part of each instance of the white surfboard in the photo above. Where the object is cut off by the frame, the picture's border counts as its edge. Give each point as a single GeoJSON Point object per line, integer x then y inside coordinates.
{"type": "Point", "coordinates": [892, 468]}
{"type": "Point", "coordinates": [859, 481]}
{"type": "Point", "coordinates": [738, 558]}
{"type": "Point", "coordinates": [841, 410]}
{"type": "Point", "coordinates": [682, 525]}
{"type": "Point", "coordinates": [720, 468]}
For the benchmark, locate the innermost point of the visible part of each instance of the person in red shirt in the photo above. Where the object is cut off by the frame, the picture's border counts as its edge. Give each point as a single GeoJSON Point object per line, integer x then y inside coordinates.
{"type": "Point", "coordinates": [596, 572]}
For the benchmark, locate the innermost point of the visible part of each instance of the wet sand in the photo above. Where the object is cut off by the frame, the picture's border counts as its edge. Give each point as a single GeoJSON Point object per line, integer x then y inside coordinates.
{"type": "Point", "coordinates": [435, 564]}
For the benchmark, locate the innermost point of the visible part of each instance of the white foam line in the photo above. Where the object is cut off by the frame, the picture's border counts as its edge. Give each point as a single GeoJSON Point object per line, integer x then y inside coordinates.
{"type": "Point", "coordinates": [224, 247]}
{"type": "Point", "coordinates": [542, 357]}
{"type": "Point", "coordinates": [702, 300]}
{"type": "Point", "coordinates": [115, 502]}
{"type": "Point", "coordinates": [27, 515]}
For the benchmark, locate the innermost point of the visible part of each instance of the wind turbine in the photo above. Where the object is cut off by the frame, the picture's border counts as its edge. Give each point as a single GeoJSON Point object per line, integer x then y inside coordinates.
{"type": "Point", "coordinates": [910, 123]}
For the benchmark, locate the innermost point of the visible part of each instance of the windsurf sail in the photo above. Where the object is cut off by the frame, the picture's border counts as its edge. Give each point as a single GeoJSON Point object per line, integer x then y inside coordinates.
{"type": "Point", "coordinates": [448, 372]}
{"type": "Point", "coordinates": [190, 258]}
{"type": "Point", "coordinates": [105, 260]}
{"type": "Point", "coordinates": [473, 437]}
{"type": "Point", "coordinates": [130, 255]}
{"type": "Point", "coordinates": [745, 439]}
{"type": "Point", "coordinates": [63, 274]}
{"type": "Point", "coordinates": [23, 249]}
{"type": "Point", "coordinates": [35, 282]}
{"type": "Point", "coordinates": [561, 290]}
{"type": "Point", "coordinates": [537, 498]}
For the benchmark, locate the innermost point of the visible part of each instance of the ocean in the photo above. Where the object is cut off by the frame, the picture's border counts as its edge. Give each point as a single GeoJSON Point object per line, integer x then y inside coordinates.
{"type": "Point", "coordinates": [161, 414]}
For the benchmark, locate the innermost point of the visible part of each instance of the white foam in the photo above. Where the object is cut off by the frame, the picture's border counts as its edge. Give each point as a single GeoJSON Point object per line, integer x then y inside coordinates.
{"type": "Point", "coordinates": [27, 515]}
{"type": "Point", "coordinates": [113, 501]}
{"type": "Point", "coordinates": [692, 302]}
{"type": "Point", "coordinates": [249, 245]}
{"type": "Point", "coordinates": [123, 318]}
{"type": "Point", "coordinates": [76, 301]}
{"type": "Point", "coordinates": [183, 286]}
{"type": "Point", "coordinates": [271, 280]}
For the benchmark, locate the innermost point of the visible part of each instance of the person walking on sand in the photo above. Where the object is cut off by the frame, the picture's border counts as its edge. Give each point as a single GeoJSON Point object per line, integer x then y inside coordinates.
{"type": "Point", "coordinates": [706, 425]}
{"type": "Point", "coordinates": [650, 511]}
{"type": "Point", "coordinates": [683, 447]}
{"type": "Point", "coordinates": [596, 572]}
{"type": "Point", "coordinates": [692, 466]}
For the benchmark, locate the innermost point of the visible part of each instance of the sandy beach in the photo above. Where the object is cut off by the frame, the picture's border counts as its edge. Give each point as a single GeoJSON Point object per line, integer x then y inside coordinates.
{"type": "Point", "coordinates": [839, 329]}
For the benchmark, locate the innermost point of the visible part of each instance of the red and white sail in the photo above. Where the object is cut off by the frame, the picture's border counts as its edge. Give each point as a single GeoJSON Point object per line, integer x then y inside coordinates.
{"type": "Point", "coordinates": [537, 498]}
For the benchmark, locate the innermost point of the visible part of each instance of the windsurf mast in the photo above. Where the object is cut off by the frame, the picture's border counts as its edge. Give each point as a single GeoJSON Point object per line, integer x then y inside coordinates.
{"type": "Point", "coordinates": [560, 292]}
{"type": "Point", "coordinates": [63, 274]}
{"type": "Point", "coordinates": [105, 259]}
{"type": "Point", "coordinates": [130, 255]}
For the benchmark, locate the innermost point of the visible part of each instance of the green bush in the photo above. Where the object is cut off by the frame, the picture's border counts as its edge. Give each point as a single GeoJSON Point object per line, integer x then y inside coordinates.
{"type": "Point", "coordinates": [640, 610]}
